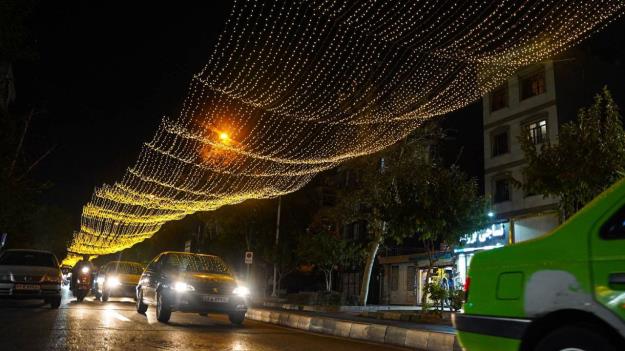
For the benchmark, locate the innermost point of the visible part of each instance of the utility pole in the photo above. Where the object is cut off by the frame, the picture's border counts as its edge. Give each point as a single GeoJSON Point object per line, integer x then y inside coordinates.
{"type": "Point", "coordinates": [274, 292]}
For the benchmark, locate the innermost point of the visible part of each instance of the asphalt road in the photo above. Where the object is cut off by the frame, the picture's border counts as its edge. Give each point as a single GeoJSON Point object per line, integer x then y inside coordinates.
{"type": "Point", "coordinates": [115, 325]}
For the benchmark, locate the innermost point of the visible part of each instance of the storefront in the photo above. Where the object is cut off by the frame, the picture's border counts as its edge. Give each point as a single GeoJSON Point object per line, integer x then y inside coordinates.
{"type": "Point", "coordinates": [496, 235]}
{"type": "Point", "coordinates": [405, 276]}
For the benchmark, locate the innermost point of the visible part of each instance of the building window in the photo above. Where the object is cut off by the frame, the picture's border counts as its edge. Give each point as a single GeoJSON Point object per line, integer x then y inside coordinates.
{"type": "Point", "coordinates": [499, 98]}
{"type": "Point", "coordinates": [502, 190]}
{"type": "Point", "coordinates": [394, 278]}
{"type": "Point", "coordinates": [533, 84]}
{"type": "Point", "coordinates": [411, 278]}
{"type": "Point", "coordinates": [538, 131]}
{"type": "Point", "coordinates": [499, 142]}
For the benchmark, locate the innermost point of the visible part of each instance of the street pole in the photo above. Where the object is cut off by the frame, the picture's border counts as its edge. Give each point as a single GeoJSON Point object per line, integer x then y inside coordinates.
{"type": "Point", "coordinates": [274, 292]}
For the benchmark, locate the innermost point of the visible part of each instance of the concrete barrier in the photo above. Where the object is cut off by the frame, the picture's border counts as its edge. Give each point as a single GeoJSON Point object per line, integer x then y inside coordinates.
{"type": "Point", "coordinates": [412, 338]}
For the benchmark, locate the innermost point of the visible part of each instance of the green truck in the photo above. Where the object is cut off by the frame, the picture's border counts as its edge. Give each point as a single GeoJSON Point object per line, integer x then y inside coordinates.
{"type": "Point", "coordinates": [563, 291]}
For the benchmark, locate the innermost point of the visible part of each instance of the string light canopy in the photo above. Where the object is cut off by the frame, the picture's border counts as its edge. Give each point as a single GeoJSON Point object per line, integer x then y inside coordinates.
{"type": "Point", "coordinates": [295, 87]}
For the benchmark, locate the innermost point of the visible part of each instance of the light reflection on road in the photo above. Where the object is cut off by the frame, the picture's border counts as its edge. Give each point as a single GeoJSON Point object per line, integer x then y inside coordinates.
{"type": "Point", "coordinates": [115, 325]}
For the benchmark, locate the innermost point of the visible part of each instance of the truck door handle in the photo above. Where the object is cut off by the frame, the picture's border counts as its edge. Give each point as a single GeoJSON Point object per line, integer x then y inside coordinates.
{"type": "Point", "coordinates": [617, 281]}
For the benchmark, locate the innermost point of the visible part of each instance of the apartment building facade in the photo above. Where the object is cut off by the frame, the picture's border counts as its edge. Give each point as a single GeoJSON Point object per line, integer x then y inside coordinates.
{"type": "Point", "coordinates": [526, 101]}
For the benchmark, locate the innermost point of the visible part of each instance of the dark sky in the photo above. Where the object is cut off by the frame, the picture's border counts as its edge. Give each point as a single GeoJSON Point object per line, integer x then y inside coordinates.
{"type": "Point", "coordinates": [106, 73]}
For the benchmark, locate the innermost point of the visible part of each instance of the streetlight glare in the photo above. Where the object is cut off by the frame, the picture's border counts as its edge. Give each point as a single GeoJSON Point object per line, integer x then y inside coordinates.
{"type": "Point", "coordinates": [224, 137]}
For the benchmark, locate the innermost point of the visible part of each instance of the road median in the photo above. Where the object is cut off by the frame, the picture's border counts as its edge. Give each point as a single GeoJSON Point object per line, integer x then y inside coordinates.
{"type": "Point", "coordinates": [418, 339]}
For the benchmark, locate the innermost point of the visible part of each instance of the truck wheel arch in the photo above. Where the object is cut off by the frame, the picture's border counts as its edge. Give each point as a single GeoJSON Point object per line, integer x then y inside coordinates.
{"type": "Point", "coordinates": [552, 321]}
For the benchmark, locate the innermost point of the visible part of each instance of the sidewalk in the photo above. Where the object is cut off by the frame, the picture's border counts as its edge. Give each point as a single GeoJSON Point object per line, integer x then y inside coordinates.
{"type": "Point", "coordinates": [427, 337]}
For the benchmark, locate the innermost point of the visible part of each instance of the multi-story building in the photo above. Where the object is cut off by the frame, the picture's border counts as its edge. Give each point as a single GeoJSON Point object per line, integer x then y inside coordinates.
{"type": "Point", "coordinates": [526, 101]}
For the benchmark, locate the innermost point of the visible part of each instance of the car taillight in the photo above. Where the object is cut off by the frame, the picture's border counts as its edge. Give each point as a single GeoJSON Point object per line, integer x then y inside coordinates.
{"type": "Point", "coordinates": [467, 285]}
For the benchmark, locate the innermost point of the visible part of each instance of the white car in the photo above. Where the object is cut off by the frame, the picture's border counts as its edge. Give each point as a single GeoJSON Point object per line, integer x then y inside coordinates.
{"type": "Point", "coordinates": [30, 274]}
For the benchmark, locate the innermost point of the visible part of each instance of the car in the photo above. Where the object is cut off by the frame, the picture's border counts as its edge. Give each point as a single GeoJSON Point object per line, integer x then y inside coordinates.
{"type": "Point", "coordinates": [118, 279]}
{"type": "Point", "coordinates": [30, 274]}
{"type": "Point", "coordinates": [562, 291]}
{"type": "Point", "coordinates": [190, 282]}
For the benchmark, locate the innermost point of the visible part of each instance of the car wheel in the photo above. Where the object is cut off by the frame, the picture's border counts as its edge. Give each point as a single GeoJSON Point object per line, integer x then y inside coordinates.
{"type": "Point", "coordinates": [54, 302]}
{"type": "Point", "coordinates": [163, 311]}
{"type": "Point", "coordinates": [141, 306]}
{"type": "Point", "coordinates": [80, 296]}
{"type": "Point", "coordinates": [578, 338]}
{"type": "Point", "coordinates": [236, 318]}
{"type": "Point", "coordinates": [105, 296]}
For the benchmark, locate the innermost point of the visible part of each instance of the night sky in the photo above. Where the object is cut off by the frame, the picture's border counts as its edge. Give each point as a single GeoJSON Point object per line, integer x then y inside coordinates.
{"type": "Point", "coordinates": [106, 74]}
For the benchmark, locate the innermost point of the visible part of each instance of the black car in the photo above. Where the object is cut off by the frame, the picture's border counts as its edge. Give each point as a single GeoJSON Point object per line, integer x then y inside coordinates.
{"type": "Point", "coordinates": [187, 282]}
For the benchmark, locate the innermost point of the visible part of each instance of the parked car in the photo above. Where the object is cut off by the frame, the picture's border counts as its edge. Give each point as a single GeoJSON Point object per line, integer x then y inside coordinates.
{"type": "Point", "coordinates": [187, 282]}
{"type": "Point", "coordinates": [563, 291]}
{"type": "Point", "coordinates": [118, 279]}
{"type": "Point", "coordinates": [30, 274]}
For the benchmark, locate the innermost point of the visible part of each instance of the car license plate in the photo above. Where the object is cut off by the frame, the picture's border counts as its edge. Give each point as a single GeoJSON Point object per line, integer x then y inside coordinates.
{"type": "Point", "coordinates": [220, 299]}
{"type": "Point", "coordinates": [27, 287]}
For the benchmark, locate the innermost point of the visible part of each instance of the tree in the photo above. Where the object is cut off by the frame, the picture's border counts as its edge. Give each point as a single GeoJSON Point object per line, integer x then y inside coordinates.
{"type": "Point", "coordinates": [232, 230]}
{"type": "Point", "coordinates": [441, 206]}
{"type": "Point", "coordinates": [588, 157]}
{"type": "Point", "coordinates": [251, 226]}
{"type": "Point", "coordinates": [373, 196]}
{"type": "Point", "coordinates": [327, 252]}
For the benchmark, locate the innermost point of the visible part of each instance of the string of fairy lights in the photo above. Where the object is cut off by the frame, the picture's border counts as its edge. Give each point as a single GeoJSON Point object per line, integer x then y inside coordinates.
{"type": "Point", "coordinates": [295, 87]}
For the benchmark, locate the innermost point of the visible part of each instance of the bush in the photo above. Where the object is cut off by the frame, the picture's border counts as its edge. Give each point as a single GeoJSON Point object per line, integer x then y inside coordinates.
{"type": "Point", "coordinates": [456, 299]}
{"type": "Point", "coordinates": [438, 294]}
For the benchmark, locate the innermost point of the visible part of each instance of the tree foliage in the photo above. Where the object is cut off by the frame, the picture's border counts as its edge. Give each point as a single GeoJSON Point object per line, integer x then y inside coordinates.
{"type": "Point", "coordinates": [372, 193]}
{"type": "Point", "coordinates": [588, 157]}
{"type": "Point", "coordinates": [327, 252]}
{"type": "Point", "coordinates": [406, 191]}
{"type": "Point", "coordinates": [441, 205]}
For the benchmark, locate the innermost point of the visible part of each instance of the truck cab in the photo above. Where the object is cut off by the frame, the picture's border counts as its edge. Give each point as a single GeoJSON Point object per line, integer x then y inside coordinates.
{"type": "Point", "coordinates": [563, 291]}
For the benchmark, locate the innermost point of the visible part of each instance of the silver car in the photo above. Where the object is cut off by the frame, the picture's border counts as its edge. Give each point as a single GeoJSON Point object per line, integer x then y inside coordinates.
{"type": "Point", "coordinates": [30, 274]}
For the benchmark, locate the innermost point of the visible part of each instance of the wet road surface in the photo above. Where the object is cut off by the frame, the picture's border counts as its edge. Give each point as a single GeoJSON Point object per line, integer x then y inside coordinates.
{"type": "Point", "coordinates": [115, 325]}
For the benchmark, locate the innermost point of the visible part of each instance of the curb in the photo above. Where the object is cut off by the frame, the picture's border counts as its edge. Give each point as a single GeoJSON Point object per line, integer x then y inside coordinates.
{"type": "Point", "coordinates": [412, 338]}
{"type": "Point", "coordinates": [344, 308]}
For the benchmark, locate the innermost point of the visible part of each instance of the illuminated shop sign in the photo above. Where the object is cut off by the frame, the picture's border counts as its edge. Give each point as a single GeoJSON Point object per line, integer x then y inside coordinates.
{"type": "Point", "coordinates": [491, 237]}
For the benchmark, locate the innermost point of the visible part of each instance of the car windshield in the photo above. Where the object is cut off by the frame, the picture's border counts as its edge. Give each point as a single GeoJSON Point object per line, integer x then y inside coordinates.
{"type": "Point", "coordinates": [127, 268]}
{"type": "Point", "coordinates": [196, 263]}
{"type": "Point", "coordinates": [28, 258]}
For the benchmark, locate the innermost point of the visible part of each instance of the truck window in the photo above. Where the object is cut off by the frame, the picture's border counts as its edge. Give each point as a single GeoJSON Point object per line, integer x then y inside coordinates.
{"type": "Point", "coordinates": [614, 228]}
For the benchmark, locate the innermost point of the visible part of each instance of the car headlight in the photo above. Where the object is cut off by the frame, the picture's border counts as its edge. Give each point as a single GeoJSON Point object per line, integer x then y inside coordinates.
{"type": "Point", "coordinates": [182, 286]}
{"type": "Point", "coordinates": [241, 291]}
{"type": "Point", "coordinates": [113, 282]}
{"type": "Point", "coordinates": [85, 270]}
{"type": "Point", "coordinates": [51, 279]}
